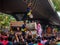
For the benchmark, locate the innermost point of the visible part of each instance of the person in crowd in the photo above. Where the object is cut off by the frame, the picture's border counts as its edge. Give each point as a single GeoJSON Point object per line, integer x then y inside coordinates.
{"type": "Point", "coordinates": [15, 41]}
{"type": "Point", "coordinates": [35, 42]}
{"type": "Point", "coordinates": [5, 42]}
{"type": "Point", "coordinates": [5, 39]}
{"type": "Point", "coordinates": [30, 43]}
{"type": "Point", "coordinates": [22, 42]}
{"type": "Point", "coordinates": [1, 39]}
{"type": "Point", "coordinates": [39, 29]}
{"type": "Point", "coordinates": [44, 40]}
{"type": "Point", "coordinates": [18, 33]}
{"type": "Point", "coordinates": [55, 32]}
{"type": "Point", "coordinates": [19, 37]}
{"type": "Point", "coordinates": [23, 29]}
{"type": "Point", "coordinates": [29, 36]}
{"type": "Point", "coordinates": [39, 42]}
{"type": "Point", "coordinates": [58, 42]}
{"type": "Point", "coordinates": [18, 30]}
{"type": "Point", "coordinates": [10, 42]}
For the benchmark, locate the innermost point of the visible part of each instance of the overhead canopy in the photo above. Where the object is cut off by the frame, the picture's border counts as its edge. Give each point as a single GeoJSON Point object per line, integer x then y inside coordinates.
{"type": "Point", "coordinates": [41, 9]}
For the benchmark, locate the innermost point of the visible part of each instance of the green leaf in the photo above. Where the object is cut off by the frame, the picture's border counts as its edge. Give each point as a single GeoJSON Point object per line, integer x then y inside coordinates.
{"type": "Point", "coordinates": [57, 4]}
{"type": "Point", "coordinates": [5, 19]}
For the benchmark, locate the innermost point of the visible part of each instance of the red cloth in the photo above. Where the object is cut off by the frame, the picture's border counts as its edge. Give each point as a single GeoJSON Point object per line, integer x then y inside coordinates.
{"type": "Point", "coordinates": [5, 42]}
{"type": "Point", "coordinates": [40, 44]}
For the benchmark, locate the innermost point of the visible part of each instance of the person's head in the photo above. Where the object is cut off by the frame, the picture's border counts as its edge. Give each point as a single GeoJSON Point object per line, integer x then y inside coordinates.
{"type": "Point", "coordinates": [18, 28]}
{"type": "Point", "coordinates": [39, 41]}
{"type": "Point", "coordinates": [13, 38]}
{"type": "Point", "coordinates": [35, 41]}
{"type": "Point", "coordinates": [32, 21]}
{"type": "Point", "coordinates": [29, 30]}
{"type": "Point", "coordinates": [24, 22]}
{"type": "Point", "coordinates": [4, 34]}
{"type": "Point", "coordinates": [38, 37]}
{"type": "Point", "coordinates": [29, 36]}
{"type": "Point", "coordinates": [10, 39]}
{"type": "Point", "coordinates": [44, 38]}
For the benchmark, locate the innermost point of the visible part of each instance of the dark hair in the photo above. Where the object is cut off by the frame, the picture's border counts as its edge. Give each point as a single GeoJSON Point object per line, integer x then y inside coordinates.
{"type": "Point", "coordinates": [44, 38]}
{"type": "Point", "coordinates": [38, 37]}
{"type": "Point", "coordinates": [35, 41]}
{"type": "Point", "coordinates": [39, 41]}
{"type": "Point", "coordinates": [29, 37]}
{"type": "Point", "coordinates": [9, 38]}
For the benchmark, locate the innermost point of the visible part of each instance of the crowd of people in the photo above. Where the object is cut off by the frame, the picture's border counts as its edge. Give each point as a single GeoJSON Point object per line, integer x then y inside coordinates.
{"type": "Point", "coordinates": [24, 38]}
{"type": "Point", "coordinates": [19, 37]}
